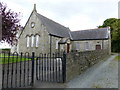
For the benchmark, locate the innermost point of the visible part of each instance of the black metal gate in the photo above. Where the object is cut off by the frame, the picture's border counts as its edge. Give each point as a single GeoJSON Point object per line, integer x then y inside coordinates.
{"type": "Point", "coordinates": [51, 67]}
{"type": "Point", "coordinates": [18, 69]}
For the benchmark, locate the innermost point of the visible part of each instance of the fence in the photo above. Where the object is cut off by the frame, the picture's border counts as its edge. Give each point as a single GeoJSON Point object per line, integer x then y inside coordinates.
{"type": "Point", "coordinates": [17, 70]}
{"type": "Point", "coordinates": [21, 70]}
{"type": "Point", "coordinates": [50, 67]}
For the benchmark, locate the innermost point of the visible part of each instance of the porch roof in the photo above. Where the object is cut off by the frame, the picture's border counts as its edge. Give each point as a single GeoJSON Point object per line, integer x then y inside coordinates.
{"type": "Point", "coordinates": [63, 40]}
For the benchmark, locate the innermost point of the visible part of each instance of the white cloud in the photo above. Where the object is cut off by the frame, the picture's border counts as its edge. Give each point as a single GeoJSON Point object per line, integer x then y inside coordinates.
{"type": "Point", "coordinates": [63, 1]}
{"type": "Point", "coordinates": [75, 14]}
{"type": "Point", "coordinates": [79, 22]}
{"type": "Point", "coordinates": [68, 12]}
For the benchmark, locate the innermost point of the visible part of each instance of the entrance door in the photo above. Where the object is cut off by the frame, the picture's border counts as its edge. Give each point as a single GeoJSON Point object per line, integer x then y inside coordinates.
{"type": "Point", "coordinates": [68, 48]}
{"type": "Point", "coordinates": [98, 47]}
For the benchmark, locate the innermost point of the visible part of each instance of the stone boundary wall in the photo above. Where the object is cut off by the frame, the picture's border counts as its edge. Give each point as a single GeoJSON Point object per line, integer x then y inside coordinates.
{"type": "Point", "coordinates": [77, 62]}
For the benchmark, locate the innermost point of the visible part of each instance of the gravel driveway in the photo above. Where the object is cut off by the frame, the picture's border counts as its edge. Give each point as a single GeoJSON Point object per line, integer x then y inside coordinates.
{"type": "Point", "coordinates": [101, 75]}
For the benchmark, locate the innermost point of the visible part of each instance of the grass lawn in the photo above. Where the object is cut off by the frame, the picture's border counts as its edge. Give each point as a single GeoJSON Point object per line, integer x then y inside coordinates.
{"type": "Point", "coordinates": [117, 58]}
{"type": "Point", "coordinates": [11, 59]}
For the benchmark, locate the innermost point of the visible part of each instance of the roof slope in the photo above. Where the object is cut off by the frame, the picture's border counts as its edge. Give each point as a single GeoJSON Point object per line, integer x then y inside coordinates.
{"type": "Point", "coordinates": [92, 34]}
{"type": "Point", "coordinates": [54, 28]}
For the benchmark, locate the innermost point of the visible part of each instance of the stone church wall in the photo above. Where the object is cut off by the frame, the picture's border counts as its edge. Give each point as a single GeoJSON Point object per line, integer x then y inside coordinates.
{"type": "Point", "coordinates": [91, 45]}
{"type": "Point", "coordinates": [78, 62]}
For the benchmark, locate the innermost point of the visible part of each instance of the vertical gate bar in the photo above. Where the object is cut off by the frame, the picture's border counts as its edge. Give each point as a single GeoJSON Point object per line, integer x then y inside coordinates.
{"type": "Point", "coordinates": [40, 72]}
{"type": "Point", "coordinates": [64, 67]}
{"type": "Point", "coordinates": [59, 65]}
{"type": "Point", "coordinates": [60, 55]}
{"type": "Point", "coordinates": [28, 70]}
{"type": "Point", "coordinates": [54, 60]}
{"type": "Point", "coordinates": [53, 67]}
{"type": "Point", "coordinates": [8, 69]}
{"type": "Point", "coordinates": [24, 60]}
{"type": "Point", "coordinates": [20, 67]}
{"type": "Point", "coordinates": [50, 66]}
{"type": "Point", "coordinates": [42, 66]}
{"type": "Point", "coordinates": [12, 71]}
{"type": "Point", "coordinates": [39, 65]}
{"type": "Point", "coordinates": [3, 70]}
{"type": "Point", "coordinates": [37, 69]}
{"type": "Point", "coordinates": [56, 69]}
{"type": "Point", "coordinates": [32, 74]}
{"type": "Point", "coordinates": [16, 70]}
{"type": "Point", "coordinates": [56, 66]}
{"type": "Point", "coordinates": [46, 66]}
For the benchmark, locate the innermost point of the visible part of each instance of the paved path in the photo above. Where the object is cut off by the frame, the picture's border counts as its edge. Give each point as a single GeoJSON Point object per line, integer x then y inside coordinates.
{"type": "Point", "coordinates": [102, 75]}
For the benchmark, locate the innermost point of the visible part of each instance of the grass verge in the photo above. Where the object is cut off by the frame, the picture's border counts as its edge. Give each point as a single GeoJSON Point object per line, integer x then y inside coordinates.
{"type": "Point", "coordinates": [117, 58]}
{"type": "Point", "coordinates": [12, 59]}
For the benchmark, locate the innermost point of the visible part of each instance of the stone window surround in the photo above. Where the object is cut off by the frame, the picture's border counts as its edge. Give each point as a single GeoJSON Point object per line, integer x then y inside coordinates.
{"type": "Point", "coordinates": [34, 42]}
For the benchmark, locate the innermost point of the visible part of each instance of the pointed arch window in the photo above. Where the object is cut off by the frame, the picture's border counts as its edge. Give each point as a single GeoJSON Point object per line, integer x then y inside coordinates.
{"type": "Point", "coordinates": [28, 41]}
{"type": "Point", "coordinates": [32, 41]}
{"type": "Point", "coordinates": [37, 40]}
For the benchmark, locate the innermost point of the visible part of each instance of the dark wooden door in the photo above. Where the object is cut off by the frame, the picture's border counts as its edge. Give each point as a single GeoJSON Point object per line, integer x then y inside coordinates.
{"type": "Point", "coordinates": [98, 47]}
{"type": "Point", "coordinates": [68, 48]}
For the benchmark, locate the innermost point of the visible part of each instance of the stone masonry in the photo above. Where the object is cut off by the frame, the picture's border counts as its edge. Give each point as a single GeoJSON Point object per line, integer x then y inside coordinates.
{"type": "Point", "coordinates": [78, 62]}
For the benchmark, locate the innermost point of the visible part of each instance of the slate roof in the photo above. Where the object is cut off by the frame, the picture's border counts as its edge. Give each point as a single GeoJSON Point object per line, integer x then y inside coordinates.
{"type": "Point", "coordinates": [92, 34]}
{"type": "Point", "coordinates": [59, 30]}
{"type": "Point", "coordinates": [54, 28]}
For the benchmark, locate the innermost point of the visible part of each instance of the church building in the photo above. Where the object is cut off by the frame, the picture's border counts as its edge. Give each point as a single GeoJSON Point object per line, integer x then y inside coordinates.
{"type": "Point", "coordinates": [43, 35]}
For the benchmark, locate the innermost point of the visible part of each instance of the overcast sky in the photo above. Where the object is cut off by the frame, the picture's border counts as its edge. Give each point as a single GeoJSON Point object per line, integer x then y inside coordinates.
{"type": "Point", "coordinates": [75, 14]}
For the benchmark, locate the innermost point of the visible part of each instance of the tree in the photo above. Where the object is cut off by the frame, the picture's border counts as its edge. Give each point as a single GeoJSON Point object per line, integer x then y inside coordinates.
{"type": "Point", "coordinates": [116, 36]}
{"type": "Point", "coordinates": [114, 24]}
{"type": "Point", "coordinates": [108, 22]}
{"type": "Point", "coordinates": [10, 24]}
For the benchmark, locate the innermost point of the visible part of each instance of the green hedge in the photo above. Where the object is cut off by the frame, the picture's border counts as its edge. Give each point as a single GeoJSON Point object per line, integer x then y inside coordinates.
{"type": "Point", "coordinates": [5, 50]}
